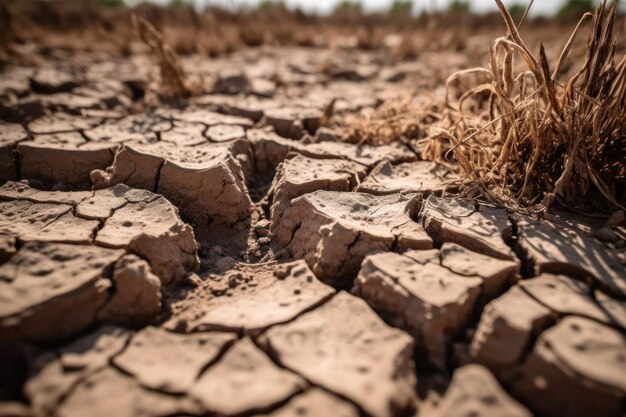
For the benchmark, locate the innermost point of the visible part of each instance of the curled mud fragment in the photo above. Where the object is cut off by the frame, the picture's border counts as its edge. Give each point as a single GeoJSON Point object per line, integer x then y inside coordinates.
{"type": "Point", "coordinates": [577, 359]}
{"type": "Point", "coordinates": [301, 175]}
{"type": "Point", "coordinates": [334, 231]}
{"type": "Point", "coordinates": [53, 374]}
{"type": "Point", "coordinates": [245, 380]}
{"type": "Point", "coordinates": [62, 122]}
{"type": "Point", "coordinates": [559, 249]}
{"type": "Point", "coordinates": [171, 362]}
{"type": "Point", "coordinates": [293, 122]}
{"type": "Point", "coordinates": [427, 300]}
{"type": "Point", "coordinates": [315, 402]}
{"type": "Point", "coordinates": [419, 177]}
{"type": "Point", "coordinates": [10, 135]}
{"type": "Point", "coordinates": [109, 93]}
{"type": "Point", "coordinates": [51, 80]}
{"type": "Point", "coordinates": [65, 164]}
{"type": "Point", "coordinates": [137, 297]}
{"type": "Point", "coordinates": [475, 392]}
{"type": "Point", "coordinates": [153, 230]}
{"type": "Point", "coordinates": [50, 290]}
{"type": "Point", "coordinates": [203, 116]}
{"type": "Point", "coordinates": [433, 295]}
{"type": "Point", "coordinates": [250, 106]}
{"type": "Point", "coordinates": [566, 296]}
{"type": "Point", "coordinates": [119, 217]}
{"type": "Point", "coordinates": [344, 347]}
{"type": "Point", "coordinates": [206, 182]}
{"type": "Point", "coordinates": [484, 229]}
{"type": "Point", "coordinates": [15, 81]}
{"type": "Point", "coordinates": [260, 299]}
{"type": "Point", "coordinates": [110, 392]}
{"type": "Point", "coordinates": [271, 149]}
{"type": "Point", "coordinates": [507, 328]}
{"type": "Point", "coordinates": [71, 103]}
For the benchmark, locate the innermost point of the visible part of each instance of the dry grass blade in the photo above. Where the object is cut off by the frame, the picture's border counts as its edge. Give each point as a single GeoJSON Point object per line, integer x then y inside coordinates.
{"type": "Point", "coordinates": [173, 79]}
{"type": "Point", "coordinates": [397, 119]}
{"type": "Point", "coordinates": [543, 140]}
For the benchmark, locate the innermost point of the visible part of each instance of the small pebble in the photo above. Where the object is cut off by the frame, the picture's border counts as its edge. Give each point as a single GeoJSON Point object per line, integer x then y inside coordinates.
{"type": "Point", "coordinates": [225, 263]}
{"type": "Point", "coordinates": [616, 219]}
{"type": "Point", "coordinates": [607, 235]}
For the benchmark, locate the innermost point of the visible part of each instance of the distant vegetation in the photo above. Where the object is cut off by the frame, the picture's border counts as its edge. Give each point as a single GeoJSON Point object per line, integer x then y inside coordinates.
{"type": "Point", "coordinates": [517, 10]}
{"type": "Point", "coordinates": [180, 4]}
{"type": "Point", "coordinates": [569, 9]}
{"type": "Point", "coordinates": [576, 7]}
{"type": "Point", "coordinates": [270, 5]}
{"type": "Point", "coordinates": [109, 3]}
{"type": "Point", "coordinates": [401, 7]}
{"type": "Point", "coordinates": [459, 6]}
{"type": "Point", "coordinates": [349, 6]}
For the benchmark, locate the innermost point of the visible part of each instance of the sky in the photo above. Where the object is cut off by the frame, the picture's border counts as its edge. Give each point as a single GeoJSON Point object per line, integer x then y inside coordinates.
{"type": "Point", "coordinates": [325, 6]}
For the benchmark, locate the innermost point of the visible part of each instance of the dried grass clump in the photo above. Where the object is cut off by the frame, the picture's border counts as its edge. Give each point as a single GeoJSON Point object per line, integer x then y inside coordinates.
{"type": "Point", "coordinates": [543, 140]}
{"type": "Point", "coordinates": [397, 119]}
{"type": "Point", "coordinates": [174, 83]}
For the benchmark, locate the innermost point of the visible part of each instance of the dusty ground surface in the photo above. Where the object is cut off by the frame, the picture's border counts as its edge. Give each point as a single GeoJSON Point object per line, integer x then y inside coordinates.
{"type": "Point", "coordinates": [233, 257]}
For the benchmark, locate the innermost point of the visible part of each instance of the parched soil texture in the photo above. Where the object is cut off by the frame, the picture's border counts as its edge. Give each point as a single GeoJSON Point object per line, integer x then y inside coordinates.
{"type": "Point", "coordinates": [233, 255]}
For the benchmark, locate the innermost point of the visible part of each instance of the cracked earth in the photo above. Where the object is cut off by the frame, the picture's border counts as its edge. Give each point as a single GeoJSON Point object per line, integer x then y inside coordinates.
{"type": "Point", "coordinates": [233, 257]}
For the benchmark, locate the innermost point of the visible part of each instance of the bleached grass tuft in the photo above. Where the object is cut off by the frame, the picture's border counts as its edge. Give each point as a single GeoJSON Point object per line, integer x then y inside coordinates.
{"type": "Point", "coordinates": [543, 139]}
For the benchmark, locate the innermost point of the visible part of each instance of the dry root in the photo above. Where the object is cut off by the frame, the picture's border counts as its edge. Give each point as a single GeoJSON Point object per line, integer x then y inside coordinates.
{"type": "Point", "coordinates": [174, 84]}
{"type": "Point", "coordinates": [397, 119]}
{"type": "Point", "coordinates": [540, 139]}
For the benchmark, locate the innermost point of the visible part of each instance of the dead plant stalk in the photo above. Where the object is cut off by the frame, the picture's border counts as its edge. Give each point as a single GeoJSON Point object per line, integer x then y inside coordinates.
{"type": "Point", "coordinates": [543, 140]}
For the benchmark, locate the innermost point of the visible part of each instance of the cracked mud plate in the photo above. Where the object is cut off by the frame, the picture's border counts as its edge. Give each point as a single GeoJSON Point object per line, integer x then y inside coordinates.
{"type": "Point", "coordinates": [231, 255]}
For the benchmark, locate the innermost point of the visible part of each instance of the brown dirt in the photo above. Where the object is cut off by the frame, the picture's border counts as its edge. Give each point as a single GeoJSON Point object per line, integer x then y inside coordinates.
{"type": "Point", "coordinates": [232, 254]}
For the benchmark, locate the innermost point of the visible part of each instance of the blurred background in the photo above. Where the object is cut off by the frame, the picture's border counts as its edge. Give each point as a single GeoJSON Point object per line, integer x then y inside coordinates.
{"type": "Point", "coordinates": [545, 7]}
{"type": "Point", "coordinates": [217, 27]}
